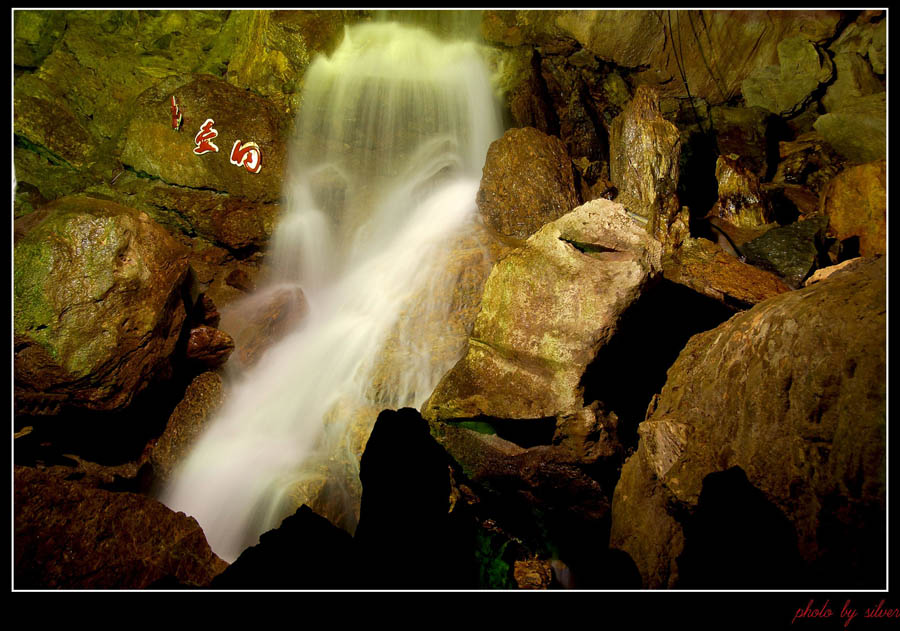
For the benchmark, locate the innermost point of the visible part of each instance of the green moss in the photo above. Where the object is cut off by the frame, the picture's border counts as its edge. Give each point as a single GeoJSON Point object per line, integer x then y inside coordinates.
{"type": "Point", "coordinates": [494, 570]}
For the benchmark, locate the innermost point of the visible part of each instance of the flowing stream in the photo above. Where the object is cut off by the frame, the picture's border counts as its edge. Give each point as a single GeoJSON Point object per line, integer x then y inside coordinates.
{"type": "Point", "coordinates": [385, 166]}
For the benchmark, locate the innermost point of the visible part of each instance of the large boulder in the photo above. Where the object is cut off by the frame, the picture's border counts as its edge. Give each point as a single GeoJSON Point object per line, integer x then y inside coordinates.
{"type": "Point", "coordinates": [856, 205]}
{"type": "Point", "coordinates": [857, 127]}
{"type": "Point", "coordinates": [528, 181]}
{"type": "Point", "coordinates": [151, 145]}
{"type": "Point", "coordinates": [547, 308]}
{"type": "Point", "coordinates": [786, 88]}
{"type": "Point", "coordinates": [783, 405]}
{"type": "Point", "coordinates": [99, 305]}
{"type": "Point", "coordinates": [854, 77]}
{"type": "Point", "coordinates": [70, 536]}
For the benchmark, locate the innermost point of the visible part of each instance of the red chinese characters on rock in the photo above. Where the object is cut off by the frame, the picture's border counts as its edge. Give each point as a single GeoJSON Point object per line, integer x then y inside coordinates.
{"type": "Point", "coordinates": [204, 137]}
{"type": "Point", "coordinates": [177, 115]}
{"type": "Point", "coordinates": [246, 155]}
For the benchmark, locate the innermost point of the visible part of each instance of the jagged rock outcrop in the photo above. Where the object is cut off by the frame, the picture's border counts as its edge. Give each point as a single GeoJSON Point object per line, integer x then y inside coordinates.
{"type": "Point", "coordinates": [742, 201]}
{"type": "Point", "coordinates": [855, 202]}
{"type": "Point", "coordinates": [527, 182]}
{"type": "Point", "coordinates": [70, 536]}
{"type": "Point", "coordinates": [644, 152]}
{"type": "Point", "coordinates": [99, 305]}
{"type": "Point", "coordinates": [546, 309]}
{"type": "Point", "coordinates": [854, 77]}
{"type": "Point", "coordinates": [788, 398]}
{"type": "Point", "coordinates": [267, 51]}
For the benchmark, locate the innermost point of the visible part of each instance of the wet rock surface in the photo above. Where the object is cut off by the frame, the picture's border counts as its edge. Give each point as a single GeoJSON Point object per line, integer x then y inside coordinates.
{"type": "Point", "coordinates": [792, 252]}
{"type": "Point", "coordinates": [99, 305]}
{"type": "Point", "coordinates": [802, 418]}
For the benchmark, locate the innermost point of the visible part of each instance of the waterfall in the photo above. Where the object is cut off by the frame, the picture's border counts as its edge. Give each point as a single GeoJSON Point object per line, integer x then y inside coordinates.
{"type": "Point", "coordinates": [385, 166]}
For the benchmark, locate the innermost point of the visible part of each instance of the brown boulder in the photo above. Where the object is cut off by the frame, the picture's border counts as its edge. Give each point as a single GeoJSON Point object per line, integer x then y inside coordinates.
{"type": "Point", "coordinates": [152, 146]}
{"type": "Point", "coordinates": [68, 536]}
{"type": "Point", "coordinates": [788, 398]}
{"type": "Point", "coordinates": [644, 151]}
{"type": "Point", "coordinates": [201, 399]}
{"type": "Point", "coordinates": [705, 267]}
{"type": "Point", "coordinates": [527, 182]}
{"type": "Point", "coordinates": [209, 346]}
{"type": "Point", "coordinates": [99, 305]}
{"type": "Point", "coordinates": [856, 205]}
{"type": "Point", "coordinates": [547, 308]}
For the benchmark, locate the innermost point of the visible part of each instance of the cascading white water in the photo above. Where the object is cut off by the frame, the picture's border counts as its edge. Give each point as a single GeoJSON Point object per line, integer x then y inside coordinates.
{"type": "Point", "coordinates": [393, 131]}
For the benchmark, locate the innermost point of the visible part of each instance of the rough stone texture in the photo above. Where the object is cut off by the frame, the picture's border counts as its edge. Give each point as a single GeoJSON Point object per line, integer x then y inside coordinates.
{"type": "Point", "coordinates": [856, 205]}
{"type": "Point", "coordinates": [790, 251]}
{"type": "Point", "coordinates": [708, 52]}
{"type": "Point", "coordinates": [151, 145]}
{"type": "Point", "coordinates": [793, 393]}
{"type": "Point", "coordinates": [527, 182]}
{"type": "Point", "coordinates": [547, 308]}
{"type": "Point", "coordinates": [271, 50]}
{"type": "Point", "coordinates": [742, 201]}
{"type": "Point", "coordinates": [865, 37]}
{"type": "Point", "coordinates": [644, 151]}
{"type": "Point", "coordinates": [704, 267]}
{"type": "Point", "coordinates": [808, 161]}
{"type": "Point", "coordinates": [533, 574]}
{"type": "Point", "coordinates": [825, 272]}
{"type": "Point", "coordinates": [209, 346]}
{"type": "Point", "coordinates": [45, 120]}
{"type": "Point", "coordinates": [854, 77]}
{"type": "Point", "coordinates": [68, 536]}
{"type": "Point", "coordinates": [98, 305]}
{"type": "Point", "coordinates": [233, 222]}
{"type": "Point", "coordinates": [577, 114]}
{"type": "Point", "coordinates": [34, 35]}
{"type": "Point", "coordinates": [201, 399]}
{"type": "Point", "coordinates": [857, 128]}
{"type": "Point", "coordinates": [786, 88]}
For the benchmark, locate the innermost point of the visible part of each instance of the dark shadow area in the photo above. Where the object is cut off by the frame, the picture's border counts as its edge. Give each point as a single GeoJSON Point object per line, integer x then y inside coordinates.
{"type": "Point", "coordinates": [406, 537]}
{"type": "Point", "coordinates": [852, 540]}
{"type": "Point", "coordinates": [738, 539]}
{"type": "Point", "coordinates": [105, 438]}
{"type": "Point", "coordinates": [783, 209]}
{"type": "Point", "coordinates": [697, 185]}
{"type": "Point", "coordinates": [632, 367]}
